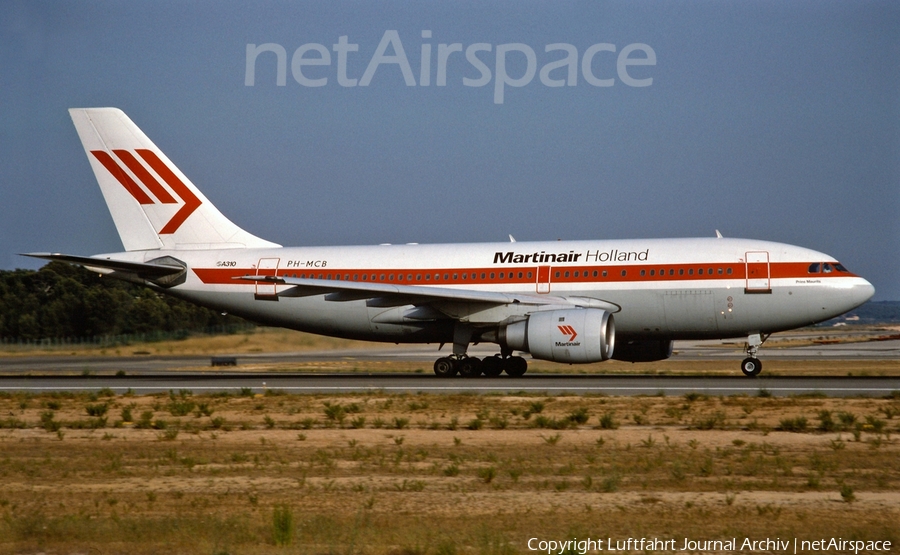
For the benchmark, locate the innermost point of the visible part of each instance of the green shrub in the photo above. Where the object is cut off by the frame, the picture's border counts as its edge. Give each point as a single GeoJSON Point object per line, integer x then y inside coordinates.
{"type": "Point", "coordinates": [611, 483]}
{"type": "Point", "coordinates": [358, 422]}
{"type": "Point", "coordinates": [181, 407]}
{"type": "Point", "coordinates": [797, 424]}
{"type": "Point", "coordinates": [282, 525]}
{"type": "Point", "coordinates": [876, 424]}
{"type": "Point", "coordinates": [551, 423]}
{"type": "Point", "coordinates": [335, 412]}
{"type": "Point", "coordinates": [97, 410]}
{"type": "Point", "coordinates": [826, 424]}
{"type": "Point", "coordinates": [847, 494]}
{"type": "Point", "coordinates": [401, 423]}
{"type": "Point", "coordinates": [579, 416]}
{"type": "Point", "coordinates": [146, 420]}
{"type": "Point", "coordinates": [847, 419]}
{"type": "Point", "coordinates": [716, 420]}
{"type": "Point", "coordinates": [488, 474]}
{"type": "Point", "coordinates": [608, 422]}
{"type": "Point", "coordinates": [48, 423]}
{"type": "Point", "coordinates": [89, 424]}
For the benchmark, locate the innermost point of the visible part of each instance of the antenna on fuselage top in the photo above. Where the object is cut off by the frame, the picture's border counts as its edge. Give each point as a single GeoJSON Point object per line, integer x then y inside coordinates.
{"type": "Point", "coordinates": [719, 234]}
{"type": "Point", "coordinates": [511, 238]}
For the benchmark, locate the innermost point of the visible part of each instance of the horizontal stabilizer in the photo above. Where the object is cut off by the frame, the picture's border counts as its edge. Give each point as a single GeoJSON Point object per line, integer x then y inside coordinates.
{"type": "Point", "coordinates": [145, 270]}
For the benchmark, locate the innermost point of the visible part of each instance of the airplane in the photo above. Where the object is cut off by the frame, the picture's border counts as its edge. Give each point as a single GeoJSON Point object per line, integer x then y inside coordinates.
{"type": "Point", "coordinates": [570, 302]}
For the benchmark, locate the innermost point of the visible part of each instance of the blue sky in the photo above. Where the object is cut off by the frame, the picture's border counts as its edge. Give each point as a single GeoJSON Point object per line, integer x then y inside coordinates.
{"type": "Point", "coordinates": [769, 120]}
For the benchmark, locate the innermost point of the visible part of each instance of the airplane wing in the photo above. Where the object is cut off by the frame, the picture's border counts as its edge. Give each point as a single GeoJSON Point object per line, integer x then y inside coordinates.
{"type": "Point", "coordinates": [390, 295]}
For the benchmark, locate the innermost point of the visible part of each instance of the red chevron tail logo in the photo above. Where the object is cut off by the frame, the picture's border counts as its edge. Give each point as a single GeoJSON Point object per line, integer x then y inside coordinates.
{"type": "Point", "coordinates": [139, 170]}
{"type": "Point", "coordinates": [568, 330]}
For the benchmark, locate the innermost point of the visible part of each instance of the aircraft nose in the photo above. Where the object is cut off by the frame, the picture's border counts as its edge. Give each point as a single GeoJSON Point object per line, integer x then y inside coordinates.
{"type": "Point", "coordinates": [858, 293]}
{"type": "Point", "coordinates": [863, 292]}
{"type": "Point", "coordinates": [847, 296]}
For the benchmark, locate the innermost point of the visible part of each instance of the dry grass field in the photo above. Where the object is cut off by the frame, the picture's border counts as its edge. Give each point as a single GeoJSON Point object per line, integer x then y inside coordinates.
{"type": "Point", "coordinates": [437, 474]}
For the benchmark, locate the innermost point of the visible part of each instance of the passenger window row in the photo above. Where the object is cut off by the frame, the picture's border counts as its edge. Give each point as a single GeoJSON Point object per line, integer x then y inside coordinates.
{"type": "Point", "coordinates": [528, 275]}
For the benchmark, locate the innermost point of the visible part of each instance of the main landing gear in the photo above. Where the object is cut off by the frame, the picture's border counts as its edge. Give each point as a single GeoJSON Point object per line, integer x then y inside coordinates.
{"type": "Point", "coordinates": [471, 367]}
{"type": "Point", "coordinates": [751, 366]}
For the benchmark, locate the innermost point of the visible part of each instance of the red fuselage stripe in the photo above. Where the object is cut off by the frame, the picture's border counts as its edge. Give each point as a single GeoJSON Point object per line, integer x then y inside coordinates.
{"type": "Point", "coordinates": [527, 275]}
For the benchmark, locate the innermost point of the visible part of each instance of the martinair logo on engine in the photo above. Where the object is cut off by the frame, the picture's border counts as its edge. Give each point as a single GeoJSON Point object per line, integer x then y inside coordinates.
{"type": "Point", "coordinates": [155, 188]}
{"type": "Point", "coordinates": [569, 331]}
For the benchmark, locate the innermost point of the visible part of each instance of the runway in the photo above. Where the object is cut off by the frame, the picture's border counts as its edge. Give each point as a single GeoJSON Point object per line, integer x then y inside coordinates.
{"type": "Point", "coordinates": [153, 374]}
{"type": "Point", "coordinates": [684, 350]}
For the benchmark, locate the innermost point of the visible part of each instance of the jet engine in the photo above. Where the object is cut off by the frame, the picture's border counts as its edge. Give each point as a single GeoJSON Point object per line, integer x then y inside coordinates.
{"type": "Point", "coordinates": [643, 350]}
{"type": "Point", "coordinates": [577, 335]}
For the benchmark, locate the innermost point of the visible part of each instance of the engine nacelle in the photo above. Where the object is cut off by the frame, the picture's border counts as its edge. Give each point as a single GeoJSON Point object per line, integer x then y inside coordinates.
{"type": "Point", "coordinates": [643, 350]}
{"type": "Point", "coordinates": [577, 335]}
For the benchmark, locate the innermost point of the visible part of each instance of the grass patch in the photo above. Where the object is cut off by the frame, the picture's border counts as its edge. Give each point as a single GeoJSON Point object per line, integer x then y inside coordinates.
{"type": "Point", "coordinates": [230, 482]}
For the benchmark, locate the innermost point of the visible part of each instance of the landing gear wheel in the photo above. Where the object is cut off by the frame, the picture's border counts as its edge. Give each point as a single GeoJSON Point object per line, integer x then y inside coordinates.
{"type": "Point", "coordinates": [516, 366]}
{"type": "Point", "coordinates": [492, 366]}
{"type": "Point", "coordinates": [469, 367]}
{"type": "Point", "coordinates": [751, 366]}
{"type": "Point", "coordinates": [445, 367]}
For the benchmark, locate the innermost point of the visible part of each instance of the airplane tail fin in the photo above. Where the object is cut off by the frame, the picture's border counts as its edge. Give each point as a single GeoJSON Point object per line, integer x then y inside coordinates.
{"type": "Point", "coordinates": [153, 204]}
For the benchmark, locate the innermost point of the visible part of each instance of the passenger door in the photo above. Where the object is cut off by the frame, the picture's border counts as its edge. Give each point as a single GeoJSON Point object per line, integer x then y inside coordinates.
{"type": "Point", "coordinates": [543, 279]}
{"type": "Point", "coordinates": [267, 291]}
{"type": "Point", "coordinates": [758, 272]}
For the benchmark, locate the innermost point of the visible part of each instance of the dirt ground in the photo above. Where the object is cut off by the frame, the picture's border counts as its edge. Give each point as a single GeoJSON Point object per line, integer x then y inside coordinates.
{"type": "Point", "coordinates": [441, 474]}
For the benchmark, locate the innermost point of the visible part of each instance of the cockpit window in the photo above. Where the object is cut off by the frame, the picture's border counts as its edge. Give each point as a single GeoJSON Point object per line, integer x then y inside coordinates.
{"type": "Point", "coordinates": [826, 268]}
{"type": "Point", "coordinates": [840, 267]}
{"type": "Point", "coordinates": [814, 268]}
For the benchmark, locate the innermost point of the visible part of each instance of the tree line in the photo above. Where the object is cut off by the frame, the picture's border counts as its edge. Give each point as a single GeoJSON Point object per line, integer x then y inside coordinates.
{"type": "Point", "coordinates": [61, 300]}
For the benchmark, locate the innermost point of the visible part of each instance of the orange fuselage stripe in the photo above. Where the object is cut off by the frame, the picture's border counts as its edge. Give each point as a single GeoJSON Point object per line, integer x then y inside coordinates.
{"type": "Point", "coordinates": [527, 275]}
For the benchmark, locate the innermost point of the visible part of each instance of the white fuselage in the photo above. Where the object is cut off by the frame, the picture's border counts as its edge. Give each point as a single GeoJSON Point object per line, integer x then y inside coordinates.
{"type": "Point", "coordinates": [661, 288]}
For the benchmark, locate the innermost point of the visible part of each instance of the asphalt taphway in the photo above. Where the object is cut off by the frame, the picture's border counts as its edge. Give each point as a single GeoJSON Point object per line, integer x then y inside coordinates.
{"type": "Point", "coordinates": [149, 374]}
{"type": "Point", "coordinates": [684, 350]}
{"type": "Point", "coordinates": [209, 382]}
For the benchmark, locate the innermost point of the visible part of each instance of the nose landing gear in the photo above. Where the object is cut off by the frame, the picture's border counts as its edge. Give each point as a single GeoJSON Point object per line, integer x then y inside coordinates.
{"type": "Point", "coordinates": [752, 366]}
